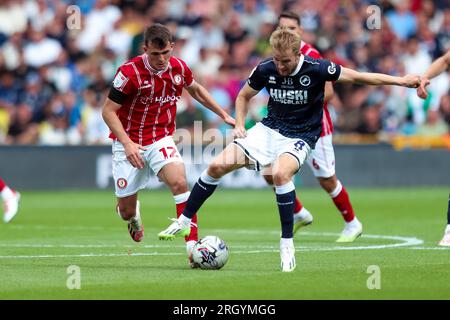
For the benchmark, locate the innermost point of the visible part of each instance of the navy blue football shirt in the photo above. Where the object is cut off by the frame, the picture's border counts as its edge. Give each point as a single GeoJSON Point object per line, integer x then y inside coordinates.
{"type": "Point", "coordinates": [295, 107]}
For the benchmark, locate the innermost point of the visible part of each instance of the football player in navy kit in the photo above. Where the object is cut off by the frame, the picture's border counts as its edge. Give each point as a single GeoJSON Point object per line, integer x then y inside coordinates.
{"type": "Point", "coordinates": [285, 137]}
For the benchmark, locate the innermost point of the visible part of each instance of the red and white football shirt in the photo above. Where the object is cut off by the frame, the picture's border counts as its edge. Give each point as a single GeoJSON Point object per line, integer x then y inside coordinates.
{"type": "Point", "coordinates": [327, 125]}
{"type": "Point", "coordinates": [149, 110]}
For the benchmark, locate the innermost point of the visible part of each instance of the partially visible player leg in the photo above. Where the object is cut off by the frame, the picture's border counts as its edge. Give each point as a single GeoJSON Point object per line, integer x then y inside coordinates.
{"type": "Point", "coordinates": [11, 200]}
{"type": "Point", "coordinates": [128, 208]}
{"type": "Point", "coordinates": [339, 195]}
{"type": "Point", "coordinates": [269, 180]}
{"type": "Point", "coordinates": [284, 169]}
{"type": "Point", "coordinates": [128, 181]}
{"type": "Point", "coordinates": [322, 163]}
{"type": "Point", "coordinates": [302, 217]}
{"type": "Point", "coordinates": [180, 202]}
{"type": "Point", "coordinates": [445, 242]}
{"type": "Point", "coordinates": [228, 160]}
{"type": "Point", "coordinates": [174, 176]}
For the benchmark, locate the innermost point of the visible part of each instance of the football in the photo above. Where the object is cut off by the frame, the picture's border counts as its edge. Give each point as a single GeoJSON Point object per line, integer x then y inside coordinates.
{"type": "Point", "coordinates": [210, 252]}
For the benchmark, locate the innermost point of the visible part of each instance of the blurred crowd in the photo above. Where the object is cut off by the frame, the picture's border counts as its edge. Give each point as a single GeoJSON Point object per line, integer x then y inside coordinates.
{"type": "Point", "coordinates": [58, 58]}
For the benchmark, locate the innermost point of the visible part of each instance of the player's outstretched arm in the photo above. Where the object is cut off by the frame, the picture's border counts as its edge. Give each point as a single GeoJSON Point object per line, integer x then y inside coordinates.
{"type": "Point", "coordinates": [112, 121]}
{"type": "Point", "coordinates": [199, 93]}
{"type": "Point", "coordinates": [353, 76]}
{"type": "Point", "coordinates": [242, 101]}
{"type": "Point", "coordinates": [437, 67]}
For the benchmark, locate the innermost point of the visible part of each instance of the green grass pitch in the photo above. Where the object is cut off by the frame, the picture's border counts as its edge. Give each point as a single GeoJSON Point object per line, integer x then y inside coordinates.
{"type": "Point", "coordinates": [55, 230]}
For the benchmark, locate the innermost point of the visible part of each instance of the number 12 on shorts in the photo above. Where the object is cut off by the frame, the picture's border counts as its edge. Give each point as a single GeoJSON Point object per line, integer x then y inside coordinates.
{"type": "Point", "coordinates": [168, 152]}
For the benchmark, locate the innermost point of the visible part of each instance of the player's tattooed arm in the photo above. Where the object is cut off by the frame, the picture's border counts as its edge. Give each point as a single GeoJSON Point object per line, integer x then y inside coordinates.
{"type": "Point", "coordinates": [199, 93]}
{"type": "Point", "coordinates": [132, 150]}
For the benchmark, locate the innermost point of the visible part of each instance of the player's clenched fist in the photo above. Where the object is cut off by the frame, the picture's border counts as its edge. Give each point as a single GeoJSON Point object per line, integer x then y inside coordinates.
{"type": "Point", "coordinates": [411, 81]}
{"type": "Point", "coordinates": [422, 89]}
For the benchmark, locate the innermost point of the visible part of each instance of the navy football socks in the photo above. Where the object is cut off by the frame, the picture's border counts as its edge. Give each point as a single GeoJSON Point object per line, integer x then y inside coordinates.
{"type": "Point", "coordinates": [200, 192]}
{"type": "Point", "coordinates": [286, 204]}
{"type": "Point", "coordinates": [448, 211]}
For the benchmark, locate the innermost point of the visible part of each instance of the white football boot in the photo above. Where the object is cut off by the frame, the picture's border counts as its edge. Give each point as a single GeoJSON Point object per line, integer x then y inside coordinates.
{"type": "Point", "coordinates": [135, 226]}
{"type": "Point", "coordinates": [180, 227]}
{"type": "Point", "coordinates": [445, 242]}
{"type": "Point", "coordinates": [302, 218]}
{"type": "Point", "coordinates": [287, 254]}
{"type": "Point", "coordinates": [351, 232]}
{"type": "Point", "coordinates": [11, 206]}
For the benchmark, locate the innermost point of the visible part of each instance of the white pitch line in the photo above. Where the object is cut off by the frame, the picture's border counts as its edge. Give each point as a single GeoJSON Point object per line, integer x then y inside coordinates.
{"type": "Point", "coordinates": [139, 254]}
{"type": "Point", "coordinates": [71, 228]}
{"type": "Point", "coordinates": [406, 242]}
{"type": "Point", "coordinates": [89, 255]}
{"type": "Point", "coordinates": [429, 248]}
{"type": "Point", "coordinates": [25, 245]}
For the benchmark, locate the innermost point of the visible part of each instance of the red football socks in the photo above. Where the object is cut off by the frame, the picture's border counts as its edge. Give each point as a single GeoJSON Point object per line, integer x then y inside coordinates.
{"type": "Point", "coordinates": [298, 205]}
{"type": "Point", "coordinates": [342, 202]}
{"type": "Point", "coordinates": [2, 185]}
{"type": "Point", "coordinates": [194, 229]}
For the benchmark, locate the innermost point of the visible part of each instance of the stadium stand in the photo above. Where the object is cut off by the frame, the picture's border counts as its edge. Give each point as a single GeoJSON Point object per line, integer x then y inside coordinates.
{"type": "Point", "coordinates": [54, 74]}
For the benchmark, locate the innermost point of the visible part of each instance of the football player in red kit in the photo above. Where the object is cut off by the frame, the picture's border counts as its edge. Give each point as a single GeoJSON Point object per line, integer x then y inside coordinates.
{"type": "Point", "coordinates": [140, 111]}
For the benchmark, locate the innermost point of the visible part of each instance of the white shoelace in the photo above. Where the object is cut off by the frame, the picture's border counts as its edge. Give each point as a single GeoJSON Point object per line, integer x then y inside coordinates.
{"type": "Point", "coordinates": [192, 224]}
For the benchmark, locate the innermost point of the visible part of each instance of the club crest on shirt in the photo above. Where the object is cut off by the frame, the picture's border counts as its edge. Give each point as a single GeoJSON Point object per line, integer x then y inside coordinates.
{"type": "Point", "coordinates": [332, 68]}
{"type": "Point", "coordinates": [122, 183]}
{"type": "Point", "coordinates": [305, 81]}
{"type": "Point", "coordinates": [177, 79]}
{"type": "Point", "coordinates": [119, 80]}
{"type": "Point", "coordinates": [145, 100]}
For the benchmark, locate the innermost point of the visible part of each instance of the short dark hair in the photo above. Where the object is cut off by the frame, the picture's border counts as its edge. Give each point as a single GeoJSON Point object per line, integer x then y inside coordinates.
{"type": "Point", "coordinates": [158, 35]}
{"type": "Point", "coordinates": [290, 15]}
